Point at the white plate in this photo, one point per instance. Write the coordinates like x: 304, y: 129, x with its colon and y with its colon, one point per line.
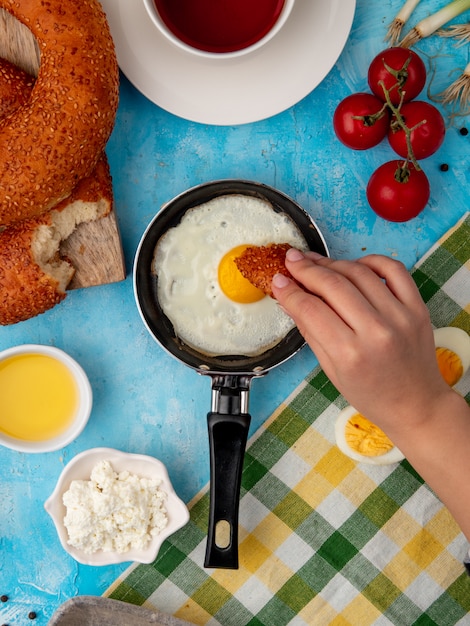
x: 80, y: 468
x: 231, y: 91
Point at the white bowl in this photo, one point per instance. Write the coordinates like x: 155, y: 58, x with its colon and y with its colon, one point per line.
x: 82, y: 412
x: 176, y: 41
x: 80, y: 468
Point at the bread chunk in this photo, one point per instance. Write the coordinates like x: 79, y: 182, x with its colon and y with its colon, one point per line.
x: 259, y: 264
x: 33, y: 276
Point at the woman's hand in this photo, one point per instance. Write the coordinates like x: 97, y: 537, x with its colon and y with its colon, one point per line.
x: 370, y: 330
x: 367, y: 324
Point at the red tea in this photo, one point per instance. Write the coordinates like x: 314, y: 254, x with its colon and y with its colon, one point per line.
x: 219, y: 25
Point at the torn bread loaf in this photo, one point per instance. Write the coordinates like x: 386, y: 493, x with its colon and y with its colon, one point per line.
x: 33, y: 276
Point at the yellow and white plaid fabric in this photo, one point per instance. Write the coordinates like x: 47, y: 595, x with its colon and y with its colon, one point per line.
x: 324, y: 540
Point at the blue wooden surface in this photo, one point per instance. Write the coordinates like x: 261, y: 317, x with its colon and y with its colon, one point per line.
x: 145, y: 401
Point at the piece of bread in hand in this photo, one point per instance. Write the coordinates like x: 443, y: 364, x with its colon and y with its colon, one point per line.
x: 33, y: 276
x: 259, y: 264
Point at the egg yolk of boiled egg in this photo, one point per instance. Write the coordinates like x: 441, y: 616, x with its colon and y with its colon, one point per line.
x: 363, y: 441
x: 365, y: 437
x: 450, y: 365
x: 234, y: 285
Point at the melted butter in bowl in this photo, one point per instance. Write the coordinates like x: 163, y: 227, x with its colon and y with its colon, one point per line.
x: 46, y: 398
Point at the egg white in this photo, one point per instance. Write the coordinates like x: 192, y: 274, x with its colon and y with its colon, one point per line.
x: 392, y: 456
x: 455, y: 339
x: 186, y: 262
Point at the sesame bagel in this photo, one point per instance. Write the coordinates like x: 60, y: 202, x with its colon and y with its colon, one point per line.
x: 33, y: 273
x: 15, y: 87
x: 54, y: 140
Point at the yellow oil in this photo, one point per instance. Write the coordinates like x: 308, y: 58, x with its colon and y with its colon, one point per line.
x: 38, y: 397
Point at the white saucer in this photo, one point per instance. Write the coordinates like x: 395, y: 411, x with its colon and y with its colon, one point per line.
x: 231, y: 91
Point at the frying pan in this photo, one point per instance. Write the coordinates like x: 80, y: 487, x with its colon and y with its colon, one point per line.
x: 228, y: 420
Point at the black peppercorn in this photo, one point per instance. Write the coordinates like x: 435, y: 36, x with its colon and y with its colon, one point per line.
x: 32, y: 615
x: 444, y: 167
x: 4, y: 598
x: 464, y: 131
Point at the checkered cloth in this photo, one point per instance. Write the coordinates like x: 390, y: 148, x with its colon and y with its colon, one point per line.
x: 324, y: 540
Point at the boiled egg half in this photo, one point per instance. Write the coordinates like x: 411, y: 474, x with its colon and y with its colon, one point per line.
x: 452, y: 353
x: 363, y: 441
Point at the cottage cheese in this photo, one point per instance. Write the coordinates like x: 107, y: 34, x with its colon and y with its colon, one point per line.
x: 113, y: 512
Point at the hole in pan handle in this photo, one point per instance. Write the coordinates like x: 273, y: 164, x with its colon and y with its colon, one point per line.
x: 228, y: 424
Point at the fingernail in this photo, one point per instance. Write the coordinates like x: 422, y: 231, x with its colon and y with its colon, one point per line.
x: 280, y: 281
x: 294, y: 255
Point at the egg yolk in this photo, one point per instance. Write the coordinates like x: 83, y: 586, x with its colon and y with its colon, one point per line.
x: 234, y: 285
x: 365, y: 437
x: 450, y: 365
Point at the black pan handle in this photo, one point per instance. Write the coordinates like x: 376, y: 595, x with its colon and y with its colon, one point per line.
x: 228, y: 432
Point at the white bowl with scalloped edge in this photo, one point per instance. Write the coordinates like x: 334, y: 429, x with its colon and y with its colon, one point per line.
x: 80, y: 468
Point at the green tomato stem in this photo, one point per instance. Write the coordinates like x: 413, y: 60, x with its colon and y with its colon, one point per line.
x: 396, y: 110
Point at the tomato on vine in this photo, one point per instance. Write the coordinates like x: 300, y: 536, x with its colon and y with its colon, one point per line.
x: 426, y: 128
x: 397, y: 191
x: 401, y: 71
x: 361, y: 121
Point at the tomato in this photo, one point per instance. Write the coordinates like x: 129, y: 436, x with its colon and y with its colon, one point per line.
x: 360, y: 121
x: 402, y: 72
x: 428, y: 132
x: 397, y: 191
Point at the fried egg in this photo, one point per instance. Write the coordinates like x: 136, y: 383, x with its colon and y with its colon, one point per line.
x: 452, y: 353
x: 363, y: 441
x: 212, y: 307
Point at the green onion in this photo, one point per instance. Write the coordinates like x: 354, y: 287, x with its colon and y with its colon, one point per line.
x: 459, y: 91
x: 433, y: 22
x: 395, y: 28
x: 459, y: 31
